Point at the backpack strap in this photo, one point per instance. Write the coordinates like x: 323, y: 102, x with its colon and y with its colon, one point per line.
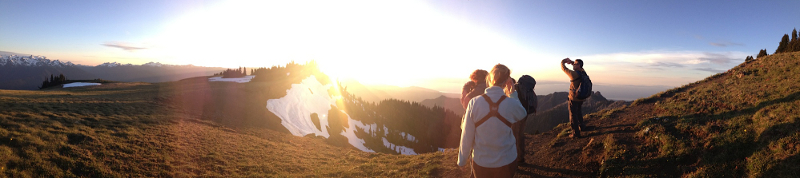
x: 493, y: 108
x: 580, y: 77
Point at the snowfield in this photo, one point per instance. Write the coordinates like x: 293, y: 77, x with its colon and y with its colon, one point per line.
x: 79, y: 84
x: 309, y: 97
x: 244, y: 79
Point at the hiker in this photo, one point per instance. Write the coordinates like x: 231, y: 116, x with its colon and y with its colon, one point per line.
x: 474, y: 87
x: 576, y: 75
x: 487, y: 135
x: 527, y: 97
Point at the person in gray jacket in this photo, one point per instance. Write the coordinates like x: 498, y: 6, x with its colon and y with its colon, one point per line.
x: 487, y: 134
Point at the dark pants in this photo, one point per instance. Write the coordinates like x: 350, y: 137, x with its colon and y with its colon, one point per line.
x: 575, y: 116
x: 519, y: 134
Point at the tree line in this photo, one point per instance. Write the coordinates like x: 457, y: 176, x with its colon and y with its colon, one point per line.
x: 233, y: 73
x: 431, y: 127
x: 786, y: 45
x: 53, y: 81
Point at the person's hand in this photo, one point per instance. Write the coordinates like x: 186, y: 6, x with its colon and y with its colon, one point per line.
x: 566, y: 60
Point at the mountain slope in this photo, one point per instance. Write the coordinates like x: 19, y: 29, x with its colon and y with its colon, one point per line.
x: 161, y: 130
x: 30, y: 78
x: 151, y: 72
x: 739, y: 123
x: 376, y: 93
x: 453, y: 104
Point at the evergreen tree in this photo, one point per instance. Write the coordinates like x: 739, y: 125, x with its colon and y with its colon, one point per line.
x: 783, y: 45
x: 762, y: 53
x: 244, y: 71
x: 794, y: 44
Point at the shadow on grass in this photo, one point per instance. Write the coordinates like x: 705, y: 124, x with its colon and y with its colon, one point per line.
x: 724, y: 155
x: 549, y: 169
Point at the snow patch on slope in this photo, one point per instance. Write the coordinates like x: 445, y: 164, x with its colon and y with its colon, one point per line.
x: 399, y: 149
x: 244, y: 79
x: 80, y: 84
x: 305, y: 98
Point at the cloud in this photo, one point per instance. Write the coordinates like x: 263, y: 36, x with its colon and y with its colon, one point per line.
x: 666, y: 64
x: 725, y: 44
x: 716, y: 58
x: 674, y: 59
x: 123, y: 46
x: 708, y: 69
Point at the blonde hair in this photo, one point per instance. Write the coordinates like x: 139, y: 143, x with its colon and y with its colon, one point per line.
x: 498, y: 76
x: 509, y: 90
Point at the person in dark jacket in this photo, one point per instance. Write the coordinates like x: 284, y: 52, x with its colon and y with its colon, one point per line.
x: 575, y: 115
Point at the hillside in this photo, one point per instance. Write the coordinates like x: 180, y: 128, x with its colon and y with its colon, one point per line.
x: 376, y: 93
x: 739, y: 123
x: 161, y: 130
x: 453, y: 104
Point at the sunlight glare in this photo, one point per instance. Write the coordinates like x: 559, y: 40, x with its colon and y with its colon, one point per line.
x: 375, y: 42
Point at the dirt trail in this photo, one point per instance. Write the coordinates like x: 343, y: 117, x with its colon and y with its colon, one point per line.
x: 548, y: 155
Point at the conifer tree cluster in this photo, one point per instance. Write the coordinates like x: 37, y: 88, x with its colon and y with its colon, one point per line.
x: 233, y: 73
x: 788, y: 44
x: 53, y: 81
x: 431, y: 127
x: 762, y: 53
x: 291, y: 70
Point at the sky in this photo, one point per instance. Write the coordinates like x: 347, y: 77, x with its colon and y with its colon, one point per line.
x: 432, y: 44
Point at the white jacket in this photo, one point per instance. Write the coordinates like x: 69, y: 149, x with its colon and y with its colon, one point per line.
x: 492, y: 144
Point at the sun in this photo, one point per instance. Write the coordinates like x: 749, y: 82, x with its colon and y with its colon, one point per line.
x: 373, y: 42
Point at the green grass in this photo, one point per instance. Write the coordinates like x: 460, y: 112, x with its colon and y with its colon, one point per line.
x: 740, y: 123
x: 144, y: 130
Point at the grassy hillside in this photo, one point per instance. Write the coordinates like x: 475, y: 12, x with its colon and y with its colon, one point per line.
x: 739, y: 123
x: 138, y: 130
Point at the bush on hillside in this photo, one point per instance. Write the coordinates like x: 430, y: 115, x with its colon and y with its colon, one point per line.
x: 762, y: 53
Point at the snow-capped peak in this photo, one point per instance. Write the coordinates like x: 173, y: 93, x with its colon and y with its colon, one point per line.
x: 109, y: 64
x: 153, y: 64
x: 31, y: 61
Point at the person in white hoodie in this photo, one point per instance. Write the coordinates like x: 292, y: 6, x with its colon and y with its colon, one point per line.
x: 487, y: 136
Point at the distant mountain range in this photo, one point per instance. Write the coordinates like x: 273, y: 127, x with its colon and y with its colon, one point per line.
x: 377, y: 93
x: 27, y: 72
x: 553, y: 110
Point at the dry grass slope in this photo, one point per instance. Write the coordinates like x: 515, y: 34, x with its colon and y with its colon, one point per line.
x: 134, y: 130
x: 740, y: 123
